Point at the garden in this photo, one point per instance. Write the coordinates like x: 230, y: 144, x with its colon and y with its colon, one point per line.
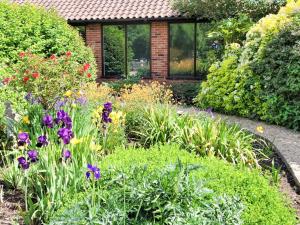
x: 74, y: 151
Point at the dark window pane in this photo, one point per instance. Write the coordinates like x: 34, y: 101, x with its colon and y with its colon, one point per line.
x: 182, y: 46
x: 207, y: 50
x: 81, y: 30
x: 114, y: 51
x: 138, y: 51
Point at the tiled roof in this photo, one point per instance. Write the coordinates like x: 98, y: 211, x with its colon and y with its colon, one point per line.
x: 79, y: 10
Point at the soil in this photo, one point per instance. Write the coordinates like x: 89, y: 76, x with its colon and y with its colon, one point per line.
x: 10, y: 207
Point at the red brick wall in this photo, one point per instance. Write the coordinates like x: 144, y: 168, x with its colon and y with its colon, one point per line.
x: 93, y: 39
x: 159, y: 50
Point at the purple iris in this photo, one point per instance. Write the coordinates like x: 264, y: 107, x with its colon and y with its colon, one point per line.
x: 93, y: 170
x: 23, y: 138
x: 32, y: 155
x: 64, y: 118
x: 66, y: 154
x: 48, y: 121
x: 81, y: 100
x: 59, y: 104
x: 23, y: 163
x: 31, y: 99
x: 106, y: 111
x: 210, y: 112
x: 65, y: 134
x: 42, y: 141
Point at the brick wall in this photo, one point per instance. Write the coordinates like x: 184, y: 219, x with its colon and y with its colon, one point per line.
x: 159, y: 50
x: 93, y: 39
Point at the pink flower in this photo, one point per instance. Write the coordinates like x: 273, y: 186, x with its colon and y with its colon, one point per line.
x: 22, y: 54
x: 89, y: 75
x: 6, y: 81
x: 52, y: 57
x: 68, y: 54
x: 25, y: 79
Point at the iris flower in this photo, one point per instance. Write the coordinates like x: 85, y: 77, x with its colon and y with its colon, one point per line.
x: 32, y: 155
x: 42, y: 141
x: 23, y: 139
x: 48, y: 121
x: 23, y: 163
x: 65, y: 134
x: 107, y: 109
x: 66, y: 154
x: 93, y: 170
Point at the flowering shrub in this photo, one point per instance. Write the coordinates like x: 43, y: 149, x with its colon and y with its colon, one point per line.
x: 48, y: 79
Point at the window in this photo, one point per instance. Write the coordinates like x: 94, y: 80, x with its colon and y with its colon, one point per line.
x: 182, y: 45
x: 191, y: 50
x: 126, y: 51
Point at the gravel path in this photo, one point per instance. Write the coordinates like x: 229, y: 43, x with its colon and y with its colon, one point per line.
x: 285, y: 141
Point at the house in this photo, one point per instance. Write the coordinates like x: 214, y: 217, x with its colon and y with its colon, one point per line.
x: 146, y: 38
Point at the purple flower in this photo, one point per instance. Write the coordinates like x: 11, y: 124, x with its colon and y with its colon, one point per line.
x: 210, y: 112
x: 42, y: 141
x: 48, y: 121
x: 65, y: 134
x: 93, y: 170
x: 66, y: 154
x: 81, y: 101
x: 32, y: 155
x: 106, y: 111
x: 31, y: 99
x: 23, y: 138
x: 23, y: 163
x: 59, y: 104
x: 64, y: 118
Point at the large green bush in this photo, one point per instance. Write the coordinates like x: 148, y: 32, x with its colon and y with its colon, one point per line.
x: 261, y: 79
x: 220, y: 9
x: 27, y: 28
x: 130, y: 194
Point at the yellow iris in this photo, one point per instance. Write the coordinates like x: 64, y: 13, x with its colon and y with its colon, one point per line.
x: 26, y: 120
x: 260, y: 129
x: 75, y: 141
x: 68, y: 93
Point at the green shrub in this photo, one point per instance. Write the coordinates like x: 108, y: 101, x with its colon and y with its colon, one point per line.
x: 27, y: 28
x: 216, y: 9
x: 261, y: 79
x: 263, y: 203
x: 140, y: 196
x: 185, y: 92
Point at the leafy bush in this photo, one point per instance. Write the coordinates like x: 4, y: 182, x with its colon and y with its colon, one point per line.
x: 185, y: 92
x: 263, y: 203
x: 202, y: 135
x: 165, y: 196
x: 29, y: 28
x: 261, y: 79
x: 216, y: 9
x: 47, y: 79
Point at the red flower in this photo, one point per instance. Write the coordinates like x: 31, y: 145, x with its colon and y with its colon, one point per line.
x: 86, y: 67
x: 68, y: 54
x: 6, y: 81
x: 25, y: 79
x: 52, y: 57
x: 35, y: 75
x: 22, y: 54
x: 89, y: 75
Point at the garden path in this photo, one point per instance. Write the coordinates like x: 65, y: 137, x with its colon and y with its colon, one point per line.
x: 285, y: 141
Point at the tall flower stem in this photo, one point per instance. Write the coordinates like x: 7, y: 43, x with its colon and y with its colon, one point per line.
x: 26, y: 191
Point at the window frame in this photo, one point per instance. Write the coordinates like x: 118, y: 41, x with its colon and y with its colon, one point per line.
x: 126, y: 48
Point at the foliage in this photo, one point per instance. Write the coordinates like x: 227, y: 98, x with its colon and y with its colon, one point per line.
x: 216, y: 9
x: 47, y: 79
x: 27, y: 28
x: 249, y: 81
x: 202, y: 135
x: 263, y: 203
x: 185, y: 92
x: 165, y: 196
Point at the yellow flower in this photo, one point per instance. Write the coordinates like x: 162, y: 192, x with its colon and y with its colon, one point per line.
x: 74, y: 105
x: 260, y: 129
x: 75, y: 141
x: 95, y: 147
x: 117, y: 117
x: 68, y: 93
x: 26, y: 120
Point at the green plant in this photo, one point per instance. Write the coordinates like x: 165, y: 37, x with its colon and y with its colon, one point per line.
x: 28, y: 28
x: 164, y: 196
x: 48, y: 79
x: 264, y: 204
x: 217, y: 9
x: 185, y: 92
x: 249, y: 81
